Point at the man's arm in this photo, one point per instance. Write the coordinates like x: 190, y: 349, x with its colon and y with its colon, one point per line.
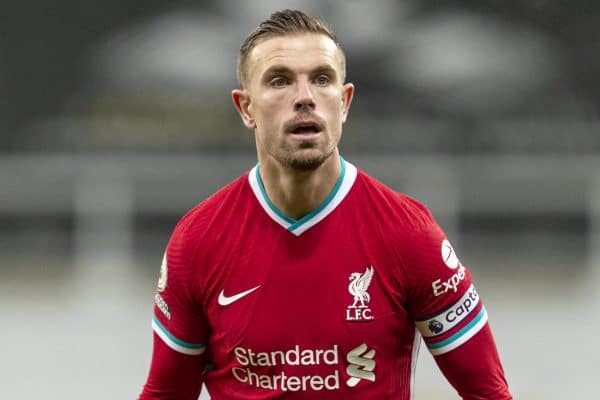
x: 178, y: 323
x: 450, y: 314
x: 460, y: 339
x: 173, y: 375
x: 474, y: 368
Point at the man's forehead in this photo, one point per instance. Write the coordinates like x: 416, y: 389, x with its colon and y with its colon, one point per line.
x: 275, y: 49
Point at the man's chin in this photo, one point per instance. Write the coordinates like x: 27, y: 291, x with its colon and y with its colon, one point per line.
x: 307, y: 162
x: 305, y: 165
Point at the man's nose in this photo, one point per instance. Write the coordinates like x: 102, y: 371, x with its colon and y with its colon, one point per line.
x: 304, y: 95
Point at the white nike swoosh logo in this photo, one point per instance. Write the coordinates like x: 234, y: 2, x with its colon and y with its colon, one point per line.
x: 227, y: 300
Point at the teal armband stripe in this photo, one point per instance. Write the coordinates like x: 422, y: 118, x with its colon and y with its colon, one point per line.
x: 175, y: 343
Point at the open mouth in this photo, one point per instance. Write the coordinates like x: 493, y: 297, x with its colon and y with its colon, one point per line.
x: 306, y: 128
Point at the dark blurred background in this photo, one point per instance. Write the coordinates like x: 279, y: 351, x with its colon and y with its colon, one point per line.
x: 493, y: 76
x: 115, y: 118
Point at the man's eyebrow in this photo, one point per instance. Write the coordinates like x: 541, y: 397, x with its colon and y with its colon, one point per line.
x: 277, y: 69
x: 283, y: 70
x: 325, y: 68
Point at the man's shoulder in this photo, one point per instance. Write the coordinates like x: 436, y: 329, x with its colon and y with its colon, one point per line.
x: 399, y: 207
x: 223, y: 203
x: 381, y: 191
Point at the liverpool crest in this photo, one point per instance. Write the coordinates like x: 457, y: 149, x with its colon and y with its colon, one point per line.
x: 359, y: 284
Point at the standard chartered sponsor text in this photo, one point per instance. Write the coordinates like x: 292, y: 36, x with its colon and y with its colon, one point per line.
x: 285, y: 381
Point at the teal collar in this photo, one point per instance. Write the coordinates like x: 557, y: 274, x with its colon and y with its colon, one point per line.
x: 297, y: 227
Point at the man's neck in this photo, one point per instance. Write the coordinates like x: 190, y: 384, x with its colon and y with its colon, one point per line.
x: 297, y: 193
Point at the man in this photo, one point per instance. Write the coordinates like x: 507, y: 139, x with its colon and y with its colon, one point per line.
x: 305, y: 278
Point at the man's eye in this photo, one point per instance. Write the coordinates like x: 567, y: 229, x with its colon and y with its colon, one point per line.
x: 279, y: 82
x: 322, y: 80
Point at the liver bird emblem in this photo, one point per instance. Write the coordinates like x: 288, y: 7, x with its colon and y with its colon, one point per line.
x: 358, y: 287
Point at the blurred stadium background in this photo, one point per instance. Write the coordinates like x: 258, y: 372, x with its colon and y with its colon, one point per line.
x: 116, y: 119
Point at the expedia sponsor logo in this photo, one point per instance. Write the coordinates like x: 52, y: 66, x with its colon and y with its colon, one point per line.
x: 452, y: 316
x: 441, y: 287
x: 451, y: 260
x: 449, y: 255
x: 250, y: 364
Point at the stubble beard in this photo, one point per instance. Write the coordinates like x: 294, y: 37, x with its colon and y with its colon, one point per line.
x: 305, y: 164
x: 309, y: 162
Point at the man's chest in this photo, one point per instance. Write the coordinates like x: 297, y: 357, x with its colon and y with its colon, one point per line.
x: 314, y: 305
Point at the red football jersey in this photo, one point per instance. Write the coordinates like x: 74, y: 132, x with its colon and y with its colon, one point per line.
x: 332, y: 305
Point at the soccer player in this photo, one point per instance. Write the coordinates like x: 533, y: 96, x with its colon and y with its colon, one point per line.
x: 305, y: 278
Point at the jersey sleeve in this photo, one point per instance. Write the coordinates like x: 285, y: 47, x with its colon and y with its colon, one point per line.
x: 178, y: 318
x: 442, y: 298
x: 179, y: 325
x: 450, y: 315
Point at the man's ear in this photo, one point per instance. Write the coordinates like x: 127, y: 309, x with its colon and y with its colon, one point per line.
x: 241, y: 101
x: 347, y: 95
